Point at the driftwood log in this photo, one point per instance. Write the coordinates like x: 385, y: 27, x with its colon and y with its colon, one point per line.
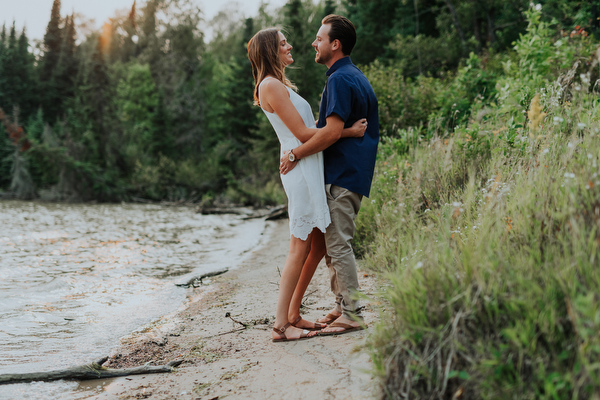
x: 193, y: 281
x: 270, y: 214
x: 95, y: 370
x: 274, y: 213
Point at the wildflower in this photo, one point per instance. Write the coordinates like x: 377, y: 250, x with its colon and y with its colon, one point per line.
x: 578, y: 88
x: 569, y: 175
x: 419, y: 265
x: 538, y: 7
x: 546, y: 151
x: 585, y: 78
x: 570, y: 145
x: 535, y: 114
x: 581, y: 125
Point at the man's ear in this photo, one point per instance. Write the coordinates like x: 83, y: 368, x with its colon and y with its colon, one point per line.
x: 336, y: 45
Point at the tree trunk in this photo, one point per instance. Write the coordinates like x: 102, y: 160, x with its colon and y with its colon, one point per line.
x: 457, y: 26
x: 95, y: 370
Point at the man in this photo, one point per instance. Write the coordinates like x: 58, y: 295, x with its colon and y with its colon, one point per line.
x: 349, y: 162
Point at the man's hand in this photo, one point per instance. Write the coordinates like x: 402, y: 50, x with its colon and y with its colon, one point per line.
x: 357, y: 129
x: 285, y: 165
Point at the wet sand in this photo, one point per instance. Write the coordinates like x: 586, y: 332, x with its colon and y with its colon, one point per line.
x: 222, y: 359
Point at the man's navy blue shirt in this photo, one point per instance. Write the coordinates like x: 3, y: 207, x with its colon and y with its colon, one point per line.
x: 350, y: 162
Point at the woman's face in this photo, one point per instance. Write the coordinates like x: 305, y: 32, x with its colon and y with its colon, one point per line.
x: 285, y: 50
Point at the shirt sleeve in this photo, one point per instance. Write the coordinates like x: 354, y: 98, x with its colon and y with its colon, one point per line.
x: 339, y: 98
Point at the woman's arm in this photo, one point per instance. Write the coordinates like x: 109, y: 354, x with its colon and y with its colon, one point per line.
x: 277, y: 98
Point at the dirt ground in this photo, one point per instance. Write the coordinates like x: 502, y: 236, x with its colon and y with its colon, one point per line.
x: 225, y: 360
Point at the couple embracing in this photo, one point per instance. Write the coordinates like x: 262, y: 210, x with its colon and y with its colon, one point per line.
x: 326, y: 168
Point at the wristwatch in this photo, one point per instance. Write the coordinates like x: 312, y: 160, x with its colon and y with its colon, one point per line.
x: 292, y: 156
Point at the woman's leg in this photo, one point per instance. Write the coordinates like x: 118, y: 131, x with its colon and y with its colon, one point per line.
x: 299, y: 250
x: 317, y: 252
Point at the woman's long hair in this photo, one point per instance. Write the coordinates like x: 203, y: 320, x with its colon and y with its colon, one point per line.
x: 263, y: 53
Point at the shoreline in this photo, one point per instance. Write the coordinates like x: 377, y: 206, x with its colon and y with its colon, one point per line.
x: 223, y: 359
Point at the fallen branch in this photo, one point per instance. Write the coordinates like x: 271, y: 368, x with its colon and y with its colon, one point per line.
x: 271, y: 214
x: 228, y: 315
x: 192, y: 282
x: 95, y: 370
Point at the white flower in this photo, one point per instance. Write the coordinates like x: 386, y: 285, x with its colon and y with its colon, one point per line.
x: 584, y: 78
x: 419, y: 265
x: 590, y: 156
x: 581, y: 125
x: 558, y: 43
x: 569, y: 175
x: 538, y: 7
x: 570, y: 145
x: 578, y: 88
x: 545, y: 151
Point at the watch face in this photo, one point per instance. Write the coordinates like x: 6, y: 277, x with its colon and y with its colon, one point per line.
x: 292, y: 157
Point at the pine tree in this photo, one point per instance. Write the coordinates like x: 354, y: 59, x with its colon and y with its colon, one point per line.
x: 130, y: 41
x: 63, y: 77
x: 51, y: 55
x: 52, y: 43
x: 27, y: 84
x: 11, y: 95
x: 148, y: 42
x: 330, y: 7
x: 302, y: 21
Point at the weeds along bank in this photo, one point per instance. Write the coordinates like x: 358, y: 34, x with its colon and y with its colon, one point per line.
x: 486, y: 238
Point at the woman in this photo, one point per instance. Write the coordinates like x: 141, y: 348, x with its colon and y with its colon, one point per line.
x: 293, y: 121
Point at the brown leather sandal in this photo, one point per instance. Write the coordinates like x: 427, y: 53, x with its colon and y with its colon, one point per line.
x: 347, y: 329
x: 317, y: 326
x: 283, y: 338
x: 329, y: 318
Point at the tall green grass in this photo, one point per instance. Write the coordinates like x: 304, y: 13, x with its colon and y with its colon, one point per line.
x: 487, y: 238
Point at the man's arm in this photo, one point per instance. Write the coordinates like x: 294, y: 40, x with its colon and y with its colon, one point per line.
x: 321, y: 140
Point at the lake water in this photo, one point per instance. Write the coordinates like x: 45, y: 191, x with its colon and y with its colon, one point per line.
x: 76, y: 278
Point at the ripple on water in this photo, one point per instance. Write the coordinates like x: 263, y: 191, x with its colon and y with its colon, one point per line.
x: 76, y: 278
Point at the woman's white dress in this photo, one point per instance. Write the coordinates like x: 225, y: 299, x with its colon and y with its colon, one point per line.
x: 305, y: 184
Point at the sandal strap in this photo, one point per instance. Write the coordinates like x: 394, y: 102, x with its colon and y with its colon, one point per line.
x: 281, y: 330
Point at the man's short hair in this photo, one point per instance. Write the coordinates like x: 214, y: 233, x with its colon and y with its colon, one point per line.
x: 343, y: 30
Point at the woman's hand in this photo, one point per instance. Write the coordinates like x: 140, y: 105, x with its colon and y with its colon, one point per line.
x: 357, y: 129
x: 285, y: 165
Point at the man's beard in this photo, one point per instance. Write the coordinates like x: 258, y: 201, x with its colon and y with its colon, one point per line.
x: 322, y: 58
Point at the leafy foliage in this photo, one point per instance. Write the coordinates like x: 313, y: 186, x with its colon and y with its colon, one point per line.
x: 487, y: 234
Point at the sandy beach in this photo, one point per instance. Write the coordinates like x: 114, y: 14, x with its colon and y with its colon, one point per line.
x: 224, y: 359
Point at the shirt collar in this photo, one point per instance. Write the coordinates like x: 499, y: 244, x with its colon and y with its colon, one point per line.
x: 338, y: 64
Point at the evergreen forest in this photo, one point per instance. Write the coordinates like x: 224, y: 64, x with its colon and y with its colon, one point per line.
x: 483, y: 224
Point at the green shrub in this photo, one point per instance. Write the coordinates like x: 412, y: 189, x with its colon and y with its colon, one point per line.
x: 486, y: 239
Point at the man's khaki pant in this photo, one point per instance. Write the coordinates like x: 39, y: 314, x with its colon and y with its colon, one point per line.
x: 343, y: 207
